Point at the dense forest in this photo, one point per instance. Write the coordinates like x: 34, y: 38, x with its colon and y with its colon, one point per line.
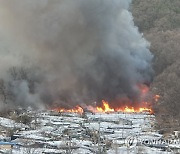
x: 159, y: 21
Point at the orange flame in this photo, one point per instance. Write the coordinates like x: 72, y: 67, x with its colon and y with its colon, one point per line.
x: 76, y: 109
x: 156, y: 98
x: 141, y: 109
x: 106, y: 108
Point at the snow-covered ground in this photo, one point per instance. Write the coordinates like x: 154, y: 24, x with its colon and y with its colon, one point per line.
x: 113, y: 133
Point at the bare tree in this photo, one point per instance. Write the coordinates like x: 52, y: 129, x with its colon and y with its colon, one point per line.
x: 13, y: 73
x: 3, y: 91
x: 159, y: 21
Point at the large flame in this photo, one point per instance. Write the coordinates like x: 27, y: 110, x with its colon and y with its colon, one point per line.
x: 106, y: 108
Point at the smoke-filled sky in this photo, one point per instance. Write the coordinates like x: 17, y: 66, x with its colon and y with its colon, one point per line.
x: 76, y: 51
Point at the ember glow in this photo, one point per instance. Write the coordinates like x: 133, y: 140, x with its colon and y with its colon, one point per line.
x: 76, y: 109
x: 156, y: 98
x: 106, y: 108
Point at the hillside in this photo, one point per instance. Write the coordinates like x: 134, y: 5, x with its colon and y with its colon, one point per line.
x: 50, y: 132
x: 78, y: 77
x: 159, y: 21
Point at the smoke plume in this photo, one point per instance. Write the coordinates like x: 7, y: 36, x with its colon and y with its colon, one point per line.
x: 71, y: 52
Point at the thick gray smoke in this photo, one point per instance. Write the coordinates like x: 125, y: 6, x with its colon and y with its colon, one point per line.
x: 73, y: 51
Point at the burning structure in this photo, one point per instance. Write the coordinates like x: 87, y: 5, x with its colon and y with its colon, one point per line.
x: 75, y: 52
x: 127, y: 107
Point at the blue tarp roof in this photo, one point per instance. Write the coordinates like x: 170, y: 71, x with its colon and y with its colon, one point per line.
x: 7, y: 143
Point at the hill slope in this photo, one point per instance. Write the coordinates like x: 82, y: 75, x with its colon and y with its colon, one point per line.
x: 159, y: 20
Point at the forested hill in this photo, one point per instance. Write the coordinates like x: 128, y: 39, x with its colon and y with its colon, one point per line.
x: 159, y: 21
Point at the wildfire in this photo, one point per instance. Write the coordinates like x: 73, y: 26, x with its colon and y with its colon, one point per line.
x: 77, y: 109
x: 106, y: 108
x: 141, y: 109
